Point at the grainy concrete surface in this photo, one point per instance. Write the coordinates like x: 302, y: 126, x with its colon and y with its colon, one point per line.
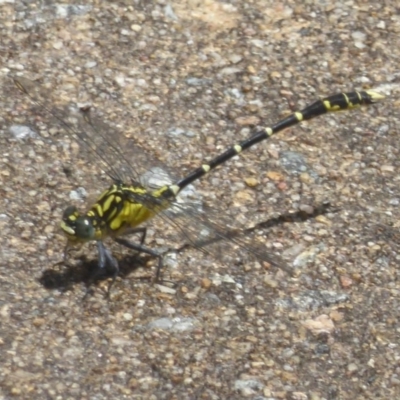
x: 183, y: 80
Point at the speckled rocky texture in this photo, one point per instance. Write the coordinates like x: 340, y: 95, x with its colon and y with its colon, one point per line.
x: 184, y: 79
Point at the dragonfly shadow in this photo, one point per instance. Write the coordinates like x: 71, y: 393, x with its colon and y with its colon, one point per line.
x: 289, y: 217
x: 65, y: 276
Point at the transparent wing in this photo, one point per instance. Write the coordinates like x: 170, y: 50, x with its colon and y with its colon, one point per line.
x: 218, y: 234
x: 126, y: 161
x: 102, y: 144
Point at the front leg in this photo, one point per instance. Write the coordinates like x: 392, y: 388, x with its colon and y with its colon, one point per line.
x: 143, y: 249
x: 105, y: 258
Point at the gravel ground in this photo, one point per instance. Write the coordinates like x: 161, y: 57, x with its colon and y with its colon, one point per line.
x: 184, y: 80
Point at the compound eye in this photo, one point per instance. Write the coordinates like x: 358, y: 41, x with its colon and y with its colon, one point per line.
x: 77, y: 227
x: 84, y: 228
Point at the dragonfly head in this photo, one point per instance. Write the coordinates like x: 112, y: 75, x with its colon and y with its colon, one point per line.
x: 77, y: 227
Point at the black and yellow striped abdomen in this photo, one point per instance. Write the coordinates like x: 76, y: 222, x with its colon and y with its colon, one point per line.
x: 336, y: 102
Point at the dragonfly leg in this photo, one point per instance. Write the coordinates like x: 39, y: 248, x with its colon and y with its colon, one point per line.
x: 105, y: 258
x: 142, y: 231
x: 143, y: 249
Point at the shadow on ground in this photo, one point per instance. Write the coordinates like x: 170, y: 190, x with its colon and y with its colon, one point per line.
x: 64, y: 276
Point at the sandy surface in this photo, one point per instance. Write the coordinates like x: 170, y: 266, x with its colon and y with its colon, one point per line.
x: 183, y: 80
